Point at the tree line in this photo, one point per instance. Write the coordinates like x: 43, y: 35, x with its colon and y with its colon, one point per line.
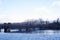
x: 42, y: 25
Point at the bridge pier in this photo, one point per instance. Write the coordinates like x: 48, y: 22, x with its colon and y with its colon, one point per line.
x: 6, y: 30
x: 6, y: 27
x: 28, y: 29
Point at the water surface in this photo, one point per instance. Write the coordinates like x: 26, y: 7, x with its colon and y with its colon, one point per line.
x: 47, y: 35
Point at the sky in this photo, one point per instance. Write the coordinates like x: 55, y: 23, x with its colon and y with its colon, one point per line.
x: 20, y: 10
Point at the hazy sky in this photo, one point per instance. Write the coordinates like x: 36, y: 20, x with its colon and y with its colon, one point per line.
x: 20, y: 10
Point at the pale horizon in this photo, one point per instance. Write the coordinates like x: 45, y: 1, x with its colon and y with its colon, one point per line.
x: 21, y: 10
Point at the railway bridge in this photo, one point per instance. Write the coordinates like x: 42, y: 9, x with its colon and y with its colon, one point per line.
x: 7, y: 28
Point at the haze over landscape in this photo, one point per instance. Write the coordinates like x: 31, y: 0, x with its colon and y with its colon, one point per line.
x: 20, y: 10
x: 29, y: 19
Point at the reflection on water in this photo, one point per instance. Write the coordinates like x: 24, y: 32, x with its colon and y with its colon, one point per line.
x: 40, y: 31
x: 12, y: 30
x: 40, y: 35
x: 47, y: 31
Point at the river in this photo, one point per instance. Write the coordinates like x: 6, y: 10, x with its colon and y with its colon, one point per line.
x: 39, y: 35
